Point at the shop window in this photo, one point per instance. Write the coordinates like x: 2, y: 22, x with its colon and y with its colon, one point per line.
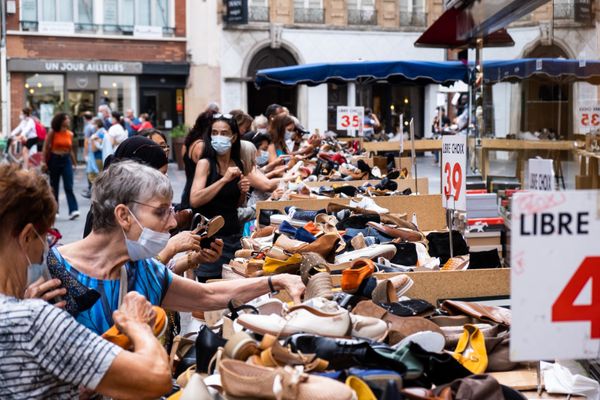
x: 309, y: 11
x: 140, y: 12
x: 412, y: 13
x: 118, y: 91
x: 258, y: 10
x: 362, y: 12
x: 44, y: 94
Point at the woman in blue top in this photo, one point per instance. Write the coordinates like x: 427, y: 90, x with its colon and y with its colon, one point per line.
x: 132, y: 211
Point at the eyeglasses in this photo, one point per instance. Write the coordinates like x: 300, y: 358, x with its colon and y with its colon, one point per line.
x: 162, y: 212
x: 165, y: 147
x: 223, y: 116
x: 53, y: 236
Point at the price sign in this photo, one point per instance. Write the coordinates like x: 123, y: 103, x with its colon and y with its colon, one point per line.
x: 555, y: 275
x: 350, y: 118
x: 541, y: 175
x: 454, y: 168
x: 588, y: 117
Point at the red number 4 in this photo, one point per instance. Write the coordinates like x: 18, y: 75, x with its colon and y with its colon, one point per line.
x: 564, y: 308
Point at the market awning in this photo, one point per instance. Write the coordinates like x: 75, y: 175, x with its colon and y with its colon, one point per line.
x: 419, y: 72
x: 444, y: 33
x: 560, y: 69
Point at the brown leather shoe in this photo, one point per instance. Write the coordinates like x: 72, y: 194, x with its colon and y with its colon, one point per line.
x: 263, y: 232
x: 395, y: 232
x: 325, y: 246
x: 184, y: 219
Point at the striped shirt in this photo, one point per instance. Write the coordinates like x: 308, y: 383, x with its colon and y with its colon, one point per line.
x: 46, y: 354
x: 149, y: 278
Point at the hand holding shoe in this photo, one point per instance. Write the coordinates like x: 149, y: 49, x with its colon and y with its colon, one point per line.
x: 134, y: 314
x: 46, y: 290
x: 292, y: 284
x: 183, y: 241
x: 207, y: 256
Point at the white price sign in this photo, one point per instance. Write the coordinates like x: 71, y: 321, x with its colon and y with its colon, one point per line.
x: 350, y: 118
x: 555, y: 275
x: 454, y: 166
x: 588, y: 117
x: 541, y: 175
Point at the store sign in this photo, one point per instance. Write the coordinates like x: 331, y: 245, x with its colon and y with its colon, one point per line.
x: 236, y: 12
x: 147, y: 31
x: 56, y: 28
x: 583, y: 11
x: 454, y: 167
x: 350, y: 118
x: 541, y: 175
x: 588, y: 117
x: 555, y: 275
x: 105, y: 67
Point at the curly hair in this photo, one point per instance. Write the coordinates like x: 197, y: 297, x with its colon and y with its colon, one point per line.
x: 25, y: 197
x: 57, y: 121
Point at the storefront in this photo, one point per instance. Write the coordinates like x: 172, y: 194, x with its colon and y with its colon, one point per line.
x: 77, y: 86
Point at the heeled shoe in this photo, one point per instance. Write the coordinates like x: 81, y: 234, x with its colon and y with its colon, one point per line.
x: 470, y: 350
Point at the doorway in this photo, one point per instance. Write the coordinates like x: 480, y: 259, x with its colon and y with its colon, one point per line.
x: 80, y: 101
x: 160, y: 105
x: 258, y: 100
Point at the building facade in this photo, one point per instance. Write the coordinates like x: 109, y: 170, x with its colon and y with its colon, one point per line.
x: 74, y: 55
x: 278, y: 33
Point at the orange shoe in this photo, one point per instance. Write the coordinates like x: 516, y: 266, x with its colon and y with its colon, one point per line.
x: 160, y: 326
x: 352, y: 277
x: 312, y: 228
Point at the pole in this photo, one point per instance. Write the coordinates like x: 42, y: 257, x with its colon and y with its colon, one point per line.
x: 450, y: 222
x: 3, y: 73
x: 413, y: 153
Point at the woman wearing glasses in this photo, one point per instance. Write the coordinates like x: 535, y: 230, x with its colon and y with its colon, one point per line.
x: 219, y: 188
x: 44, y: 353
x: 157, y: 137
x: 132, y: 210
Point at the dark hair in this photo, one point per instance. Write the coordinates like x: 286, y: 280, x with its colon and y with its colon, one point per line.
x: 88, y: 115
x: 271, y: 110
x: 117, y: 115
x: 149, y: 132
x: 99, y: 123
x: 145, y: 116
x: 57, y: 121
x: 258, y: 138
x: 27, y: 111
x: 25, y: 197
x: 139, y: 149
x: 210, y: 153
x: 241, y: 117
x: 200, y: 128
x: 277, y: 130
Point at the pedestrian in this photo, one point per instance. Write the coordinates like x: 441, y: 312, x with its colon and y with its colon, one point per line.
x: 115, y: 136
x: 157, y: 137
x: 59, y: 155
x: 219, y: 188
x: 144, y: 122
x: 26, y: 133
x: 89, y: 129
x: 132, y: 123
x: 104, y: 113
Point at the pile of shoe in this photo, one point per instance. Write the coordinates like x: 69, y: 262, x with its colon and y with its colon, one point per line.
x: 366, y: 341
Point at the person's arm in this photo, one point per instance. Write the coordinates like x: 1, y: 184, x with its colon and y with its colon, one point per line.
x: 260, y: 182
x: 200, y: 194
x: 73, y: 154
x: 272, y: 153
x: 48, y: 146
x: 187, y: 262
x: 187, y: 295
x: 18, y: 130
x: 196, y: 150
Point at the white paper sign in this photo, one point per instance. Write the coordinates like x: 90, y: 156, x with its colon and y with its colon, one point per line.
x: 541, y: 175
x: 555, y: 275
x: 454, y: 168
x: 587, y: 117
x: 350, y: 118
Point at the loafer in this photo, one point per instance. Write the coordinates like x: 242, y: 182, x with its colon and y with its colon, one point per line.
x: 353, y: 276
x: 379, y: 250
x: 343, y: 353
x: 470, y: 350
x: 389, y: 290
x: 302, y: 215
x: 244, y: 380
x: 275, y: 266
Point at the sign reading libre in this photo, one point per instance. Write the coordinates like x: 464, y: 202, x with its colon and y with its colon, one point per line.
x: 555, y: 275
x: 541, y: 175
x: 350, y: 118
x: 454, y: 166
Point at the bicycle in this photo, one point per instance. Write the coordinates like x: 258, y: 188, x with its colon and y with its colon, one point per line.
x: 11, y: 152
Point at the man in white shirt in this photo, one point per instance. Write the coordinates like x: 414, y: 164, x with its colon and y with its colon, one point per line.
x: 26, y: 133
x: 115, y: 136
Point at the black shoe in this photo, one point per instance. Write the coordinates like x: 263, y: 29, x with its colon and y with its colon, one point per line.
x: 409, y: 308
x: 440, y: 368
x: 347, y: 190
x: 394, y: 174
x: 207, y: 344
x: 358, y: 221
x: 343, y: 353
x: 264, y: 218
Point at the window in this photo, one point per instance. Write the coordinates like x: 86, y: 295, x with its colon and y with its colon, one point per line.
x: 258, y: 10
x: 44, y: 94
x: 412, y: 13
x: 309, y: 11
x: 118, y: 91
x: 362, y: 12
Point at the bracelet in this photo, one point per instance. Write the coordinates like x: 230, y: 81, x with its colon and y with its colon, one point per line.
x: 160, y: 260
x: 271, y: 287
x: 189, y: 260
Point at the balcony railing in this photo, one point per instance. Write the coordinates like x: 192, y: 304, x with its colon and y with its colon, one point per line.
x: 112, y: 29
x: 362, y: 17
x: 309, y: 15
x: 413, y: 18
x: 258, y: 13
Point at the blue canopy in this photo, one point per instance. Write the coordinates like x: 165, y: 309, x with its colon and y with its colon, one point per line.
x: 559, y: 69
x: 420, y: 72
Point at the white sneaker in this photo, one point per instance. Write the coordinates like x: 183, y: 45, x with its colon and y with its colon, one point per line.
x: 376, y: 172
x: 372, y: 252
x: 75, y: 214
x: 369, y: 204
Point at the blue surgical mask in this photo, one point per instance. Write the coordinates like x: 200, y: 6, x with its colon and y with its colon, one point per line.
x: 262, y: 158
x: 148, y: 245
x: 261, y: 130
x: 100, y: 115
x: 288, y: 135
x: 37, y: 270
x: 221, y: 144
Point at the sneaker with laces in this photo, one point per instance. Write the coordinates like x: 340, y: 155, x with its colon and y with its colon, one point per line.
x: 74, y: 215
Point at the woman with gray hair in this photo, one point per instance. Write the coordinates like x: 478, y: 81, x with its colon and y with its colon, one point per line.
x: 132, y: 218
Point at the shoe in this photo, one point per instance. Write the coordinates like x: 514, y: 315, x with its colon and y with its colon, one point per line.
x: 409, y: 308
x: 342, y: 353
x: 430, y: 341
x: 470, y: 350
x: 184, y: 219
x: 264, y: 216
x: 368, y: 203
x: 302, y: 215
x: 440, y: 368
x: 379, y: 250
x: 389, y: 290
x: 273, y: 354
x: 352, y: 277
x: 398, y: 233
x: 362, y: 390
x: 240, y: 379
x: 368, y: 328
x: 275, y: 266
x: 87, y: 194
x: 113, y: 334
x: 207, y: 344
x: 241, y: 347
x: 402, y: 354
x: 74, y: 215
x: 319, y: 285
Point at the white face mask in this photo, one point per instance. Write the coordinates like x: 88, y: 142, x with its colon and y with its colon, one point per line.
x: 37, y: 270
x: 261, y: 130
x: 288, y: 135
x: 148, y: 245
x: 262, y: 158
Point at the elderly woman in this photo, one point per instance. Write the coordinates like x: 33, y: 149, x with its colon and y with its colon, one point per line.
x: 132, y: 217
x: 44, y: 353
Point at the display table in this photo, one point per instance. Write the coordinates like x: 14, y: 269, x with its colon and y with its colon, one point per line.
x: 420, y: 145
x: 524, y: 149
x: 588, y: 177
